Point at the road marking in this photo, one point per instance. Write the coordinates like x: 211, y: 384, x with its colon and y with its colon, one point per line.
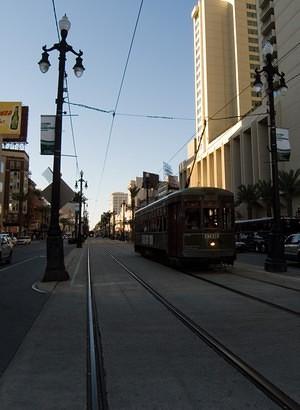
x: 20, y: 263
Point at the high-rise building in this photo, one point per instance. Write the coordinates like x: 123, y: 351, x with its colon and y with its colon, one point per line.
x: 226, y: 53
x: 117, y: 198
x: 236, y: 151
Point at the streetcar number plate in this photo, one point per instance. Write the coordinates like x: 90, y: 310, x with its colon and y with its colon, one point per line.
x: 211, y: 235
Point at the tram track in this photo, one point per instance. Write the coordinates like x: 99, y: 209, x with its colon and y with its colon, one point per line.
x: 242, y: 293
x: 97, y: 395
x: 256, y: 378
x: 279, y: 285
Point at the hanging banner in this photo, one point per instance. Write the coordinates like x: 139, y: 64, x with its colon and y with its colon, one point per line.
x: 283, y: 144
x: 10, y: 119
x: 47, y: 134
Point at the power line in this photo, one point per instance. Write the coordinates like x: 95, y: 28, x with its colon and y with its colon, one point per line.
x: 118, y: 96
x: 120, y: 89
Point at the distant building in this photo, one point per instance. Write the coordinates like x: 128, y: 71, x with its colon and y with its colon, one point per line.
x: 116, y: 200
x: 15, y: 190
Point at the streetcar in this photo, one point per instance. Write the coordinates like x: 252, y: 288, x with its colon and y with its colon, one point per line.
x: 193, y: 225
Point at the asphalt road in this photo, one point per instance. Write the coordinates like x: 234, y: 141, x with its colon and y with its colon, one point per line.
x: 19, y: 303
x: 258, y: 259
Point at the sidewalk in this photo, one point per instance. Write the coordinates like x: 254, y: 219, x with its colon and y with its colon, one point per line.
x: 49, y: 368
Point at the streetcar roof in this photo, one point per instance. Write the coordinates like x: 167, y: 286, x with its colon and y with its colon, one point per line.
x: 185, y: 193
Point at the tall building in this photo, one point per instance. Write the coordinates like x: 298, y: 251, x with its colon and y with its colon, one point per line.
x: 225, y: 55
x: 116, y: 201
x: 235, y: 151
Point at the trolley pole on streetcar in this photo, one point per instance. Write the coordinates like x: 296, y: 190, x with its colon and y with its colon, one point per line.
x: 275, y: 261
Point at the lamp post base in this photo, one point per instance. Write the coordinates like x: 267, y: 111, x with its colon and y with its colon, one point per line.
x: 55, y: 269
x: 275, y: 265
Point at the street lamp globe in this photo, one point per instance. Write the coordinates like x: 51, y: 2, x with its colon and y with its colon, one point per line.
x: 78, y: 67
x: 267, y: 49
x: 64, y: 23
x: 44, y: 63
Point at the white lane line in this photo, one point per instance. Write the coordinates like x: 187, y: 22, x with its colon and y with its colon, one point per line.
x: 20, y: 263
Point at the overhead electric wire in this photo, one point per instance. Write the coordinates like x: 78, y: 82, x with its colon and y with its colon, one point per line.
x: 118, y: 98
x: 120, y: 90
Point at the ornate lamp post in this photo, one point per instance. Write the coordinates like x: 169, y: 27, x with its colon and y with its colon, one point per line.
x: 123, y: 220
x: 55, y: 269
x: 81, y: 181
x: 275, y: 261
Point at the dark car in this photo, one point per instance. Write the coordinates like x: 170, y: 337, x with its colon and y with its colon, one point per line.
x: 240, y: 246
x: 255, y: 242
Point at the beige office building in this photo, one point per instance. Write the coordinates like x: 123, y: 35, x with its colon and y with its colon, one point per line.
x: 228, y: 38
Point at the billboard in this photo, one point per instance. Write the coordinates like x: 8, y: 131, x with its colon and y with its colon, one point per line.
x: 150, y: 180
x: 47, y: 134
x: 10, y: 119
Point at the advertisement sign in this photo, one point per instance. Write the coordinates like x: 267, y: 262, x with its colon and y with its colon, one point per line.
x: 47, y: 134
x: 10, y: 118
x: 150, y: 180
x: 283, y: 144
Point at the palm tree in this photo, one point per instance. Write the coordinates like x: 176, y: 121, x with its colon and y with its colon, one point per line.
x: 289, y: 185
x: 248, y: 194
x: 134, y: 190
x: 265, y: 191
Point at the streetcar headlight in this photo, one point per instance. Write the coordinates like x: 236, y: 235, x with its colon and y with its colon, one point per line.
x: 212, y: 244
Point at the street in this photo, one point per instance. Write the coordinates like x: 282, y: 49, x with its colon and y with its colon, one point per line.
x: 20, y: 304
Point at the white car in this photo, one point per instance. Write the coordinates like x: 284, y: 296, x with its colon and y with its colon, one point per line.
x: 292, y: 247
x: 5, y: 249
x: 24, y: 240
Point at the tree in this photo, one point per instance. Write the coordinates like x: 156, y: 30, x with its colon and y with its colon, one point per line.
x: 265, y: 192
x: 134, y: 190
x: 248, y: 194
x: 289, y: 186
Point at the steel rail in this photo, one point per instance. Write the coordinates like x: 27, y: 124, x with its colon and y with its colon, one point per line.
x: 240, y: 292
x: 265, y: 281
x: 262, y: 383
x: 97, y: 398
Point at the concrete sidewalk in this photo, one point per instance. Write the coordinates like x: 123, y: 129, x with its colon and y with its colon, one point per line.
x: 49, y: 369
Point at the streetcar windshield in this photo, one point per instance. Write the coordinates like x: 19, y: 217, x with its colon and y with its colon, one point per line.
x: 210, y: 217
x: 193, y: 219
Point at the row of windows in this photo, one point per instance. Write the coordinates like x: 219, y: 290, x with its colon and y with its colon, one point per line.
x: 251, y: 6
x: 251, y: 14
x: 253, y: 40
x: 252, y: 23
x: 253, y: 58
x: 253, y: 48
x: 252, y: 31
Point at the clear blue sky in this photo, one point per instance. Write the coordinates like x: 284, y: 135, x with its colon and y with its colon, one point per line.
x: 159, y: 81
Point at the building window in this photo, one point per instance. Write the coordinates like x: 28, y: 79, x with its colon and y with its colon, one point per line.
x: 251, y: 6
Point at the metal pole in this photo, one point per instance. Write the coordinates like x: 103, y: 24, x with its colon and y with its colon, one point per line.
x: 79, y: 240
x: 275, y: 261
x: 55, y: 268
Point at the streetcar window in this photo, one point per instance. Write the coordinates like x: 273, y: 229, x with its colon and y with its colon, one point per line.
x: 192, y: 219
x: 210, y: 217
x: 227, y: 218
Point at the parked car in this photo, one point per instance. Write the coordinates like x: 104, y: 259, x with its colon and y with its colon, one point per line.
x: 9, y: 238
x: 5, y: 249
x: 24, y: 240
x: 292, y: 247
x: 255, y: 242
x: 240, y: 246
